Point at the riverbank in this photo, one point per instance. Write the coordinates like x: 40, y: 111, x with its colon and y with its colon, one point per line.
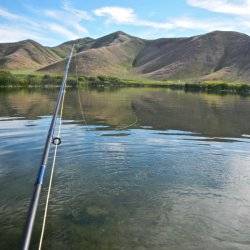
x: 23, y: 80
x: 192, y: 86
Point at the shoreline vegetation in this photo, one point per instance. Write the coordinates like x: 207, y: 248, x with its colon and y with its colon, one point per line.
x: 37, y: 80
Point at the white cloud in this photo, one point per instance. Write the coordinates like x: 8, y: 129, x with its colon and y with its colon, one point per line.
x: 70, y: 18
x: 117, y: 14
x: 17, y: 27
x: 62, y: 30
x: 197, y: 24
x: 79, y: 14
x: 127, y: 16
x: 48, y: 25
x: 240, y: 7
x: 120, y: 15
x: 236, y: 13
x: 13, y: 33
x: 16, y: 34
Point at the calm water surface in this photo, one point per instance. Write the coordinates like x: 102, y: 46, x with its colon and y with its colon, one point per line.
x: 143, y: 169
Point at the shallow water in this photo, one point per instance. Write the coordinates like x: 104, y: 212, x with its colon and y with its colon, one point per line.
x: 143, y: 169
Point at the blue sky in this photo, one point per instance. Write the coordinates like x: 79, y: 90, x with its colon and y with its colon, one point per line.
x: 51, y: 22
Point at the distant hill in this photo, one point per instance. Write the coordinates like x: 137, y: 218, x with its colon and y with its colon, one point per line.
x: 212, y: 56
x: 25, y: 54
x: 63, y: 49
x: 216, y: 55
x: 113, y: 54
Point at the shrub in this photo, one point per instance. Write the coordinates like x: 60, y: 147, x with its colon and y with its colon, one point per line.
x: 6, y: 78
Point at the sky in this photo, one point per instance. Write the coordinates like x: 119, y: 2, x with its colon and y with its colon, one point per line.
x: 52, y: 22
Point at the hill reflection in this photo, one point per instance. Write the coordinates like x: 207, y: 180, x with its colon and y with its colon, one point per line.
x: 208, y: 114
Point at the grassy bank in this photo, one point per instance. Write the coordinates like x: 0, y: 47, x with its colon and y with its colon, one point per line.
x: 192, y: 86
x: 24, y: 80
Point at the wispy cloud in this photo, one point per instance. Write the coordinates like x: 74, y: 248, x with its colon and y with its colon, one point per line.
x: 61, y: 30
x: 8, y: 15
x: 51, y: 26
x: 128, y: 16
x: 120, y: 15
x: 241, y: 8
x: 13, y: 33
x: 234, y: 14
x: 65, y: 22
x: 16, y: 27
x: 13, y: 17
x: 79, y: 14
x: 70, y: 20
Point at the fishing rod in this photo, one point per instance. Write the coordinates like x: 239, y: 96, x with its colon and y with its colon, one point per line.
x: 27, y: 233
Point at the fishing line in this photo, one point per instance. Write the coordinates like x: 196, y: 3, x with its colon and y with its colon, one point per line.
x: 78, y: 92
x: 51, y: 176
x: 130, y: 125
x: 56, y: 141
x: 51, y: 139
x: 81, y: 106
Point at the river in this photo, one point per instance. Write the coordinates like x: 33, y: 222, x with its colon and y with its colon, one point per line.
x: 138, y: 168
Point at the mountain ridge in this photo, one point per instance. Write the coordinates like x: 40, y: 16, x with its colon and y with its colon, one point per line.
x: 217, y: 55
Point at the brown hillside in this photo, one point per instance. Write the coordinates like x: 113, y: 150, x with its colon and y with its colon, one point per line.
x: 215, y: 55
x: 111, y: 55
x: 211, y: 56
x: 25, y: 54
x: 81, y: 44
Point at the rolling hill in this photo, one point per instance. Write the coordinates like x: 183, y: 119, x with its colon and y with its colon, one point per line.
x: 216, y: 55
x: 213, y: 56
x: 113, y: 54
x: 25, y: 55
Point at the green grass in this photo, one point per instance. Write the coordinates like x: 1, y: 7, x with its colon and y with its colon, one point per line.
x: 25, y: 79
x: 22, y: 79
x: 204, y: 86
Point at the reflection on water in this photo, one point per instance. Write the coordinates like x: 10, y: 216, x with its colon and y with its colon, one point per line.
x: 152, y: 169
x: 208, y: 114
